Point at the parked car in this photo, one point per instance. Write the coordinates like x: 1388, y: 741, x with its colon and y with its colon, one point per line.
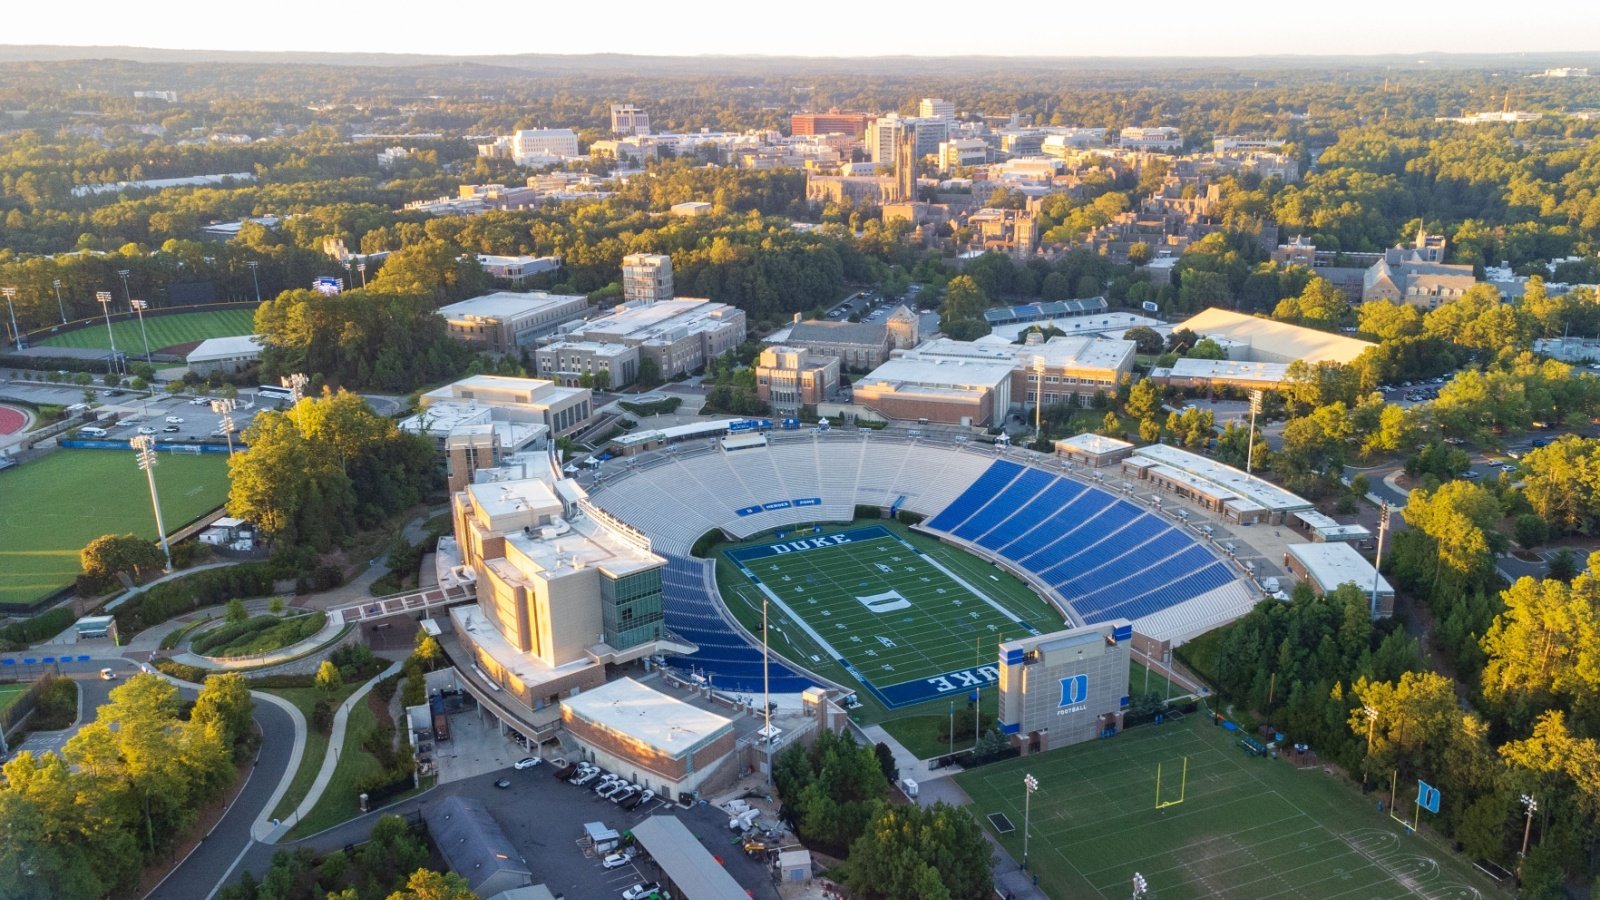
x: 146, y: 429
x: 174, y: 420
x: 618, y: 860
x: 503, y: 783
x: 107, y: 675
x: 527, y: 763
x: 206, y: 401
x: 641, y: 890
x: 587, y: 777
x: 635, y: 799
x: 172, y: 429
x: 625, y: 793
x: 614, y: 787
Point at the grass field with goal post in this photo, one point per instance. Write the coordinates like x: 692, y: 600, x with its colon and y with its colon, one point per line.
x: 1248, y: 826
x: 163, y: 331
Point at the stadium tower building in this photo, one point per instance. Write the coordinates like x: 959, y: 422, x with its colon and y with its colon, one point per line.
x: 1065, y: 687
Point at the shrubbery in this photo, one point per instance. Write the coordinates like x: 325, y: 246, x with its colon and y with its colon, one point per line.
x: 260, y: 634
x: 15, y: 637
x: 181, y: 595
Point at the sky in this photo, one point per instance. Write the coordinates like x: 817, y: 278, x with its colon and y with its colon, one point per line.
x: 928, y: 28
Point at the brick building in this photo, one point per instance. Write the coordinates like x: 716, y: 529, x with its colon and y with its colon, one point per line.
x: 649, y: 737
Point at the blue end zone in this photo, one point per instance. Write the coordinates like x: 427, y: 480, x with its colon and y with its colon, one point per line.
x: 780, y: 548
x: 920, y: 690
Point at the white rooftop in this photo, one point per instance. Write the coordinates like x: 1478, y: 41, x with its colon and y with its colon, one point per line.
x: 647, y: 321
x: 1110, y: 324
x: 507, y: 305
x: 584, y: 544
x: 505, y: 497
x: 1231, y: 369
x: 1257, y: 490
x: 595, y: 347
x: 948, y: 372
x: 1087, y: 352
x: 1335, y: 563
x: 675, y: 432
x: 225, y: 348
x: 1093, y: 444
x: 658, y: 720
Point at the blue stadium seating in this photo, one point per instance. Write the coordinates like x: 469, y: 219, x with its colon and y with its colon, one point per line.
x: 1004, y: 503
x: 996, y: 477
x: 1107, y: 556
x: 725, y: 655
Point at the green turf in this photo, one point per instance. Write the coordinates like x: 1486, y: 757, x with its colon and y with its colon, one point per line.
x: 163, y: 331
x: 945, y: 628
x: 316, y: 743
x: 1249, y: 827
x: 51, y: 507
x: 9, y: 694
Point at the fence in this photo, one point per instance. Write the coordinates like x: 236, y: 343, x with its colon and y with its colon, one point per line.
x: 123, y: 444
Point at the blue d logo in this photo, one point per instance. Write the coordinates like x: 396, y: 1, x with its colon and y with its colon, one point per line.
x: 1074, y: 690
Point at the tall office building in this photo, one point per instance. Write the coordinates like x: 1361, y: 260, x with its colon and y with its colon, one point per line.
x: 627, y: 119
x: 646, y: 277
x: 931, y: 108
x: 883, y: 136
x: 831, y: 122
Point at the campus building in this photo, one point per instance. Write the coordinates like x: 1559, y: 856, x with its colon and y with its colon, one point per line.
x: 1254, y: 339
x: 224, y: 355
x: 1213, y: 486
x: 1327, y: 564
x: 651, y: 738
x: 679, y: 335
x: 1065, y: 687
x: 606, y: 366
x: 792, y: 378
x: 646, y: 277
x: 505, y: 322
x: 831, y: 122
x: 562, y: 410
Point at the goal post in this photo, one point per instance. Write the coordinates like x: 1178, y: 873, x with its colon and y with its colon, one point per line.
x: 1183, y: 786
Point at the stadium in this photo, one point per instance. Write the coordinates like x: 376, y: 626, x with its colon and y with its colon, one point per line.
x: 866, y: 600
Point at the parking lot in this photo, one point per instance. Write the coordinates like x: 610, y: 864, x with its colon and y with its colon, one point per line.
x: 153, y: 416
x: 544, y: 819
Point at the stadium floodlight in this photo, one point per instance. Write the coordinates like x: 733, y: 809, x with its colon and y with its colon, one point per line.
x: 126, y: 295
x: 61, y: 307
x: 224, y: 408
x: 1383, y: 528
x: 145, y: 446
x: 362, y: 268
x: 1250, y: 440
x: 138, y: 307
x: 252, y: 265
x: 296, y: 384
x: 10, y: 293
x: 1029, y: 785
x: 1529, y: 807
x: 1140, y: 886
x: 104, y: 297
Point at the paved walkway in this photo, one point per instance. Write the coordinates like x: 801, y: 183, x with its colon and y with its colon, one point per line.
x: 270, y: 832
x: 330, y: 630
x: 134, y: 592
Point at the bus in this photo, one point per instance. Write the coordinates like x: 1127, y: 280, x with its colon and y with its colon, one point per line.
x: 273, y: 393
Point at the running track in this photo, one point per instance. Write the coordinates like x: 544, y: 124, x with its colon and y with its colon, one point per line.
x: 12, y: 420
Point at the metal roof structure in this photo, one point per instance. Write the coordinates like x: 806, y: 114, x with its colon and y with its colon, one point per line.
x: 685, y: 862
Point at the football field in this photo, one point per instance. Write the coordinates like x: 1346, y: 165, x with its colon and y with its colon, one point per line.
x: 51, y: 507
x: 907, y: 626
x: 1247, y: 826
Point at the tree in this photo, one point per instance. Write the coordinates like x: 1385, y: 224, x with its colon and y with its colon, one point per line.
x: 1144, y: 399
x: 428, y: 652
x: 328, y: 678
x: 1146, y: 340
x: 111, y: 554
x: 1207, y: 349
x: 961, y: 315
x: 1111, y: 426
x: 1530, y: 530
x: 916, y: 853
x: 649, y: 373
x: 891, y: 772
x: 225, y: 702
x: 426, y: 884
x: 1544, y: 650
x: 236, y: 613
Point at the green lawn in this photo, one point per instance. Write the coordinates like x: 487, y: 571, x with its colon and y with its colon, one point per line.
x: 51, y: 507
x: 316, y: 747
x: 1248, y: 827
x: 9, y: 694
x: 163, y: 331
x: 341, y: 801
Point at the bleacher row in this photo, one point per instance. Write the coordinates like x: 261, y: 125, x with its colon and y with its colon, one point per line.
x: 725, y: 655
x: 1107, y: 557
x: 677, y: 501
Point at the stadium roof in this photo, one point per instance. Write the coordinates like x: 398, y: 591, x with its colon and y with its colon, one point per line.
x: 1271, y: 341
x: 660, y: 721
x: 1257, y: 490
x: 1334, y: 563
x: 685, y: 861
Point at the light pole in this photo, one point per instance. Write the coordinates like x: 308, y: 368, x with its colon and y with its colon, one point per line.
x: 1250, y: 440
x: 10, y: 293
x: 1029, y: 785
x: 1372, y: 724
x: 105, y: 306
x: 253, y: 266
x: 224, y: 408
x: 145, y: 446
x: 1529, y: 807
x: 296, y: 384
x: 61, y: 307
x: 123, y: 274
x: 1383, y: 528
x: 1140, y: 886
x: 1038, y: 406
x: 362, y: 268
x: 138, y: 307
x: 952, y: 750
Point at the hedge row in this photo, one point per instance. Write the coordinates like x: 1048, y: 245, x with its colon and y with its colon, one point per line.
x: 50, y: 624
x: 186, y: 594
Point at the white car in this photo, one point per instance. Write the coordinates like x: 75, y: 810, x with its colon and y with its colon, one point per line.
x: 174, y: 420
x: 618, y: 860
x: 614, y: 787
x: 640, y: 891
x: 200, y: 401
x: 527, y: 763
x: 146, y: 429
x: 107, y: 675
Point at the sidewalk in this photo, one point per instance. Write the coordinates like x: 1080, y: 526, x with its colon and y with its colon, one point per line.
x: 268, y: 831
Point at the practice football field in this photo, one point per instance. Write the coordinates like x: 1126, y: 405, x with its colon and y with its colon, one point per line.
x: 51, y: 507
x: 1248, y: 827
x: 907, y: 626
x: 163, y: 331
